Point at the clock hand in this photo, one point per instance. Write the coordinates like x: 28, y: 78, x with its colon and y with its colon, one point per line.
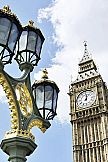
x: 86, y: 97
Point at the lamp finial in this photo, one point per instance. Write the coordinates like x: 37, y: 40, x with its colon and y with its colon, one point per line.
x: 45, y: 74
x: 7, y: 9
x: 31, y: 23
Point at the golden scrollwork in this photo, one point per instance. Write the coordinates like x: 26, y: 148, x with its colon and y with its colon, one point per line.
x: 24, y: 99
x: 38, y: 123
x: 19, y: 133
x: 11, y: 101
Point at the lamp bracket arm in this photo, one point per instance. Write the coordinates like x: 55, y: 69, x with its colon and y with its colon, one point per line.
x: 24, y: 75
x: 35, y: 120
x: 22, y: 79
x: 26, y: 68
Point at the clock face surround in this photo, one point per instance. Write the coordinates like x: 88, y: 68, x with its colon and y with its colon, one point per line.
x: 86, y: 98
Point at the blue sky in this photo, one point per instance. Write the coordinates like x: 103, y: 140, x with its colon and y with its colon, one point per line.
x: 65, y: 25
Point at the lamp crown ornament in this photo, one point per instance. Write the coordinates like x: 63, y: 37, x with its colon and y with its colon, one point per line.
x: 7, y: 9
x: 45, y: 74
x: 31, y: 23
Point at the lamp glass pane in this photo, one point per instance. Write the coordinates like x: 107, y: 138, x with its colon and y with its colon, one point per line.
x: 48, y: 97
x: 28, y: 56
x: 23, y: 56
x: 33, y: 58
x: 13, y: 37
x: 23, y: 41
x: 40, y: 96
x: 55, y: 100
x: 38, y: 46
x: 31, y: 41
x: 5, y: 26
x: 1, y: 48
x: 47, y: 113
x: 6, y: 56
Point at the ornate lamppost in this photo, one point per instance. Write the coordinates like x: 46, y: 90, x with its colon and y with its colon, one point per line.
x: 29, y: 105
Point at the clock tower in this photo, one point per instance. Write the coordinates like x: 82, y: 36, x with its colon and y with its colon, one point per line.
x: 89, y: 113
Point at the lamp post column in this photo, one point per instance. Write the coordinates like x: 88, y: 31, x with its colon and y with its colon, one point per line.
x: 18, y: 148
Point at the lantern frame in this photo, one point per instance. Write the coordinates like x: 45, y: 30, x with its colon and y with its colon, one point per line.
x: 27, y: 53
x: 46, y: 112
x: 10, y: 21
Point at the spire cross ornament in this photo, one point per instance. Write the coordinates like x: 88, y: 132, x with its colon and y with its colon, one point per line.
x: 85, y: 44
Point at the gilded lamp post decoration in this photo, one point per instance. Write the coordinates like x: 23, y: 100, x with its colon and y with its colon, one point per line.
x: 30, y: 105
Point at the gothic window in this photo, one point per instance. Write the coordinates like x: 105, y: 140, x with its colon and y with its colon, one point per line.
x: 86, y: 134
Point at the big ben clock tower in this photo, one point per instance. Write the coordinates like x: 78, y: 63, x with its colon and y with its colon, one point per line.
x: 89, y: 113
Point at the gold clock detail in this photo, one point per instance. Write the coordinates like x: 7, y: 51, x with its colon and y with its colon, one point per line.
x: 24, y: 99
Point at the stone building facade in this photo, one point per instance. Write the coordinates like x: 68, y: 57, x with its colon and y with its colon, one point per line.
x: 89, y: 113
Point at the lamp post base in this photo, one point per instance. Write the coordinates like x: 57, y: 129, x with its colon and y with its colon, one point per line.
x: 18, y: 148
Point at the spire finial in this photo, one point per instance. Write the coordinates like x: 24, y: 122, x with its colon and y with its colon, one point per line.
x: 85, y: 45
x: 45, y: 74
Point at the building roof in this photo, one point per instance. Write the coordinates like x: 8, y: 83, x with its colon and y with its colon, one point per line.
x: 87, y: 56
x: 87, y: 67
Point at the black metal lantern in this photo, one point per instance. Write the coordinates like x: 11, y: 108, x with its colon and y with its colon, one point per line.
x: 29, y: 45
x: 10, y: 30
x: 46, y: 94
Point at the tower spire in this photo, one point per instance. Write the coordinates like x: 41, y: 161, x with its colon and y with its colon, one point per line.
x: 87, y: 56
x: 86, y: 64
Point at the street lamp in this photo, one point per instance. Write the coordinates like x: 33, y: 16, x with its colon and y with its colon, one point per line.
x: 30, y: 105
x: 45, y: 93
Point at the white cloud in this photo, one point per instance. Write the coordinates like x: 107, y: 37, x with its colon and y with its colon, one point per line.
x: 74, y: 22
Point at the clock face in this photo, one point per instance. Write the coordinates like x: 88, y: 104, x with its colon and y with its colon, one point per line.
x: 86, y: 99
x: 24, y: 99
